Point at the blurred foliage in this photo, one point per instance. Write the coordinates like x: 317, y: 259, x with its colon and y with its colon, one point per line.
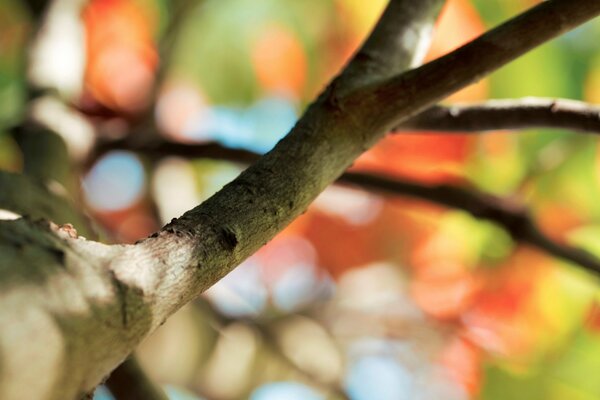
x: 381, y: 298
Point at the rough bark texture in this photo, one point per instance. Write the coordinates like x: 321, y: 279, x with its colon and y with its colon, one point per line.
x: 71, y: 310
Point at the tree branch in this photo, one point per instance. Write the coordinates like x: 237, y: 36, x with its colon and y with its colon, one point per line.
x: 491, y: 115
x: 271, y: 343
x: 398, y: 41
x: 249, y: 211
x: 407, y: 94
x: 514, y: 218
x: 101, y: 301
x: 494, y: 115
x: 511, y: 216
x: 77, y: 308
x: 129, y: 382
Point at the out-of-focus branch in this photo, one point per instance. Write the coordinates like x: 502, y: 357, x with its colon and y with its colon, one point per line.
x: 158, y: 149
x: 270, y: 340
x: 179, y: 11
x: 491, y: 115
x: 264, y: 329
x: 129, y: 382
x: 494, y: 115
x: 37, y: 9
x: 511, y: 216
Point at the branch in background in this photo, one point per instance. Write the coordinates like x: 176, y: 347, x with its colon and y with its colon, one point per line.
x: 491, y: 115
x: 158, y: 149
x: 129, y: 382
x: 37, y: 8
x: 511, y: 216
x: 494, y: 115
x: 514, y: 218
x: 270, y: 340
x: 179, y: 11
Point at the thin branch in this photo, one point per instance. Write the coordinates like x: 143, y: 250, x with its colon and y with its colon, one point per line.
x: 398, y: 41
x: 130, y: 382
x: 270, y: 340
x: 495, y: 115
x: 224, y: 230
x: 491, y: 115
x: 161, y: 148
x: 412, y: 92
x: 513, y: 217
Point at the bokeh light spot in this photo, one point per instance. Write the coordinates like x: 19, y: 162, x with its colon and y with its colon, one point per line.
x: 379, y: 378
x: 115, y: 182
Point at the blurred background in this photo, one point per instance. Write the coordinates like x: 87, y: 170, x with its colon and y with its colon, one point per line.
x: 363, y: 297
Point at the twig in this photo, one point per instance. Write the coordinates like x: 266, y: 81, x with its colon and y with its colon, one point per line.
x: 129, y: 382
x: 494, y: 115
x: 514, y: 218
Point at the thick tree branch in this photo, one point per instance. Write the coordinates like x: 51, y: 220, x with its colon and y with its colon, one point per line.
x: 124, y: 292
x: 250, y: 210
x: 495, y: 115
x: 86, y: 305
